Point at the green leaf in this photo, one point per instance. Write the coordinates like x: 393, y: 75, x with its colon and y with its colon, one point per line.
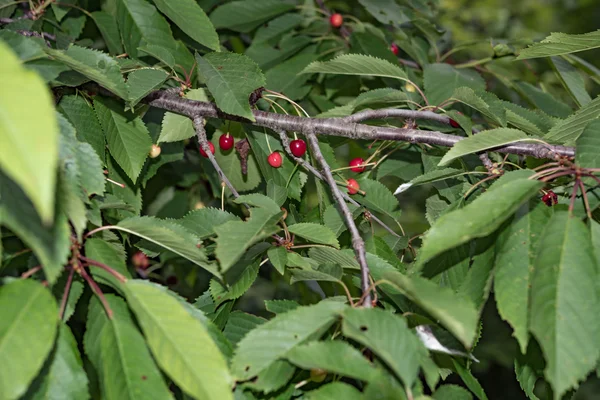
x: 561, y: 43
x: 141, y: 25
x: 180, y: 344
x: 441, y: 80
x: 231, y: 78
x: 168, y: 235
x: 235, y: 237
x: 568, y: 130
x: 516, y: 250
x: 484, y: 102
x: 277, y: 193
x: 220, y: 293
x: 177, y: 127
x: 202, y: 222
x: 244, y: 16
x: 81, y: 115
x: 564, y: 302
x: 75, y: 292
x: 344, y: 258
x: 274, y: 377
x: 483, y: 141
x: 436, y: 175
x: 163, y: 55
x: 232, y: 167
x: 572, y: 80
x: 315, y: 233
x: 95, y: 65
x: 64, y: 376
x: 335, y: 357
x: 332, y: 218
x: 357, y: 64
x: 452, y: 392
x: 378, y: 198
x: 388, y: 336
x: 286, y: 77
x: 27, y: 331
x: 128, y: 139
x: 280, y: 306
x: 258, y: 200
x: 479, y: 218
x: 268, y: 342
x: 108, y: 27
x: 26, y: 48
x: 110, y: 255
x: 334, y: 391
x: 119, y: 354
x: 469, y: 380
x: 29, y: 159
x: 543, y: 100
x: 239, y: 324
x: 278, y: 257
x: 49, y: 243
x: 587, y: 152
x: 142, y: 81
x: 534, y: 122
x: 387, y: 12
x: 455, y: 312
x: 191, y: 19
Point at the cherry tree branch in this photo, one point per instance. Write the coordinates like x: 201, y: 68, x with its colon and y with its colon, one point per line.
x: 341, y: 127
x: 357, y: 242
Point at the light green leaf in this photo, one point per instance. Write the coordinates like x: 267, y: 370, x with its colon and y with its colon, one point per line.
x: 26, y: 48
x: 325, y: 273
x: 278, y: 257
x: 142, y: 81
x: 277, y: 193
x: 141, y: 25
x: 170, y: 236
x: 543, y: 100
x: 479, y: 218
x: 231, y: 78
x: 177, y: 127
x: 335, y: 391
x: 571, y: 79
x: 315, y: 233
x: 534, y: 122
x: 163, y: 55
x: 378, y: 198
x: 440, y: 81
x: 29, y: 151
x: 561, y: 43
x: 273, y: 377
x: 388, y: 336
x: 357, y: 64
x: 81, y: 115
x: 29, y: 318
x: 484, y: 102
x: 108, y: 254
x: 344, y: 258
x: 387, y: 12
x: 239, y: 324
x: 64, y: 377
x: 93, y: 64
x: 280, y: 306
x: 108, y: 27
x: 564, y: 302
x: 191, y: 19
x: 516, y: 250
x: 259, y: 200
x: 235, y: 237
x: 452, y: 392
x: 243, y: 16
x: 568, y: 130
x: 128, y: 139
x: 180, y: 344
x: 455, y: 312
x: 119, y: 354
x: 272, y: 340
x: 483, y: 141
x: 202, y: 222
x: 335, y: 357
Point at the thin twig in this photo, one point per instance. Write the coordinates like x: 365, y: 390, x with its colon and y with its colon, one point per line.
x: 65, y: 296
x: 357, y: 241
x: 30, y: 272
x: 588, y: 211
x: 96, y: 289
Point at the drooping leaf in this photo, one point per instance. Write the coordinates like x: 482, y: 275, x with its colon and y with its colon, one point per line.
x: 481, y: 217
x: 28, y: 324
x: 95, y: 65
x: 542, y: 100
x: 357, y: 64
x: 202, y: 222
x: 265, y: 344
x: 388, y: 336
x: 231, y: 78
x: 180, y: 344
x: 29, y: 151
x: 191, y: 19
x: 484, y: 102
x: 142, y: 81
x: 278, y: 257
x: 128, y: 139
x: 564, y: 301
x: 587, y: 152
x: 568, y: 130
x: 314, y: 233
x: 245, y: 15
x: 168, y: 235
x: 119, y: 354
x: 484, y: 140
x: 109, y: 29
x: 572, y: 80
x: 440, y: 81
x: 561, y: 43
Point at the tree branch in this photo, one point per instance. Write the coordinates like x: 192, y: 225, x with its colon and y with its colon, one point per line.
x: 357, y: 242
x: 341, y: 127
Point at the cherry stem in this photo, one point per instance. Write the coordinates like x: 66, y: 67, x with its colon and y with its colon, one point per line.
x: 573, y: 196
x: 557, y: 175
x: 105, y: 267
x: 116, y: 183
x: 65, y: 296
x: 585, y: 199
x: 365, y: 164
x: 99, y: 229
x: 97, y: 291
x: 30, y: 272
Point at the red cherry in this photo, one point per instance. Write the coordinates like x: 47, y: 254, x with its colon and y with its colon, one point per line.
x: 212, y: 150
x: 454, y: 124
x: 395, y: 49
x: 352, y: 186
x: 356, y: 165
x: 550, y: 198
x: 336, y: 20
x: 275, y: 160
x: 140, y: 260
x: 226, y: 141
x: 298, y: 147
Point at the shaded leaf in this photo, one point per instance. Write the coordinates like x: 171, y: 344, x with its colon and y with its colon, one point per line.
x: 315, y: 233
x: 243, y: 16
x: 568, y: 130
x: 572, y: 80
x: 561, y: 43
x: 142, y: 81
x: 202, y: 222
